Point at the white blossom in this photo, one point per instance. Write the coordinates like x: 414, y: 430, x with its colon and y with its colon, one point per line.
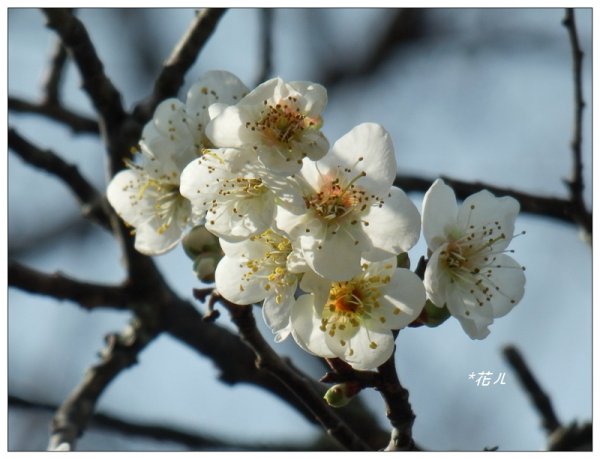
x: 348, y: 208
x: 262, y: 268
x: 146, y: 194
x: 354, y: 319
x: 228, y: 192
x: 469, y: 271
x: 279, y: 121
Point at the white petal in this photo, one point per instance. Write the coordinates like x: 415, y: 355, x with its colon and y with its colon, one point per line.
x: 484, y: 209
x: 435, y: 280
x: 314, y: 97
x: 403, y: 299
x: 439, y: 214
x: 366, y: 350
x: 305, y: 327
x: 123, y: 194
x: 215, y: 87
x: 230, y: 282
x: 277, y: 316
x: 335, y: 257
x: 150, y: 241
x: 393, y: 228
x: 366, y: 148
x: 227, y: 129
x: 510, y: 280
x: 316, y: 285
x: 474, y: 318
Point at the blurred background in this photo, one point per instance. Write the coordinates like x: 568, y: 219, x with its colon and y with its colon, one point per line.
x: 473, y: 94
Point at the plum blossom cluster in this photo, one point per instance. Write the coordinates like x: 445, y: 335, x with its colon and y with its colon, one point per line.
x: 312, y: 231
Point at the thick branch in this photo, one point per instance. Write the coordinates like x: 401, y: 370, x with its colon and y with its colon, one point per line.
x: 104, y: 96
x: 54, y: 76
x: 76, y: 411
x: 182, y: 58
x: 539, y: 398
x: 61, y: 287
x: 266, y: 358
x: 77, y: 123
x: 91, y: 201
x: 557, y: 208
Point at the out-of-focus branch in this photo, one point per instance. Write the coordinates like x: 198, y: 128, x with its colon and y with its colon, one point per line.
x: 557, y: 208
x: 266, y: 27
x: 77, y: 123
x: 179, y: 62
x: 61, y: 287
x: 54, y: 76
x: 539, y: 398
x: 91, y: 201
x: 76, y: 411
x: 104, y: 96
x: 405, y: 26
x: 267, y: 359
x: 576, y: 181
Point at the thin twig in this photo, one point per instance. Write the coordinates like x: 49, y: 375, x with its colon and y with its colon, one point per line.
x: 74, y: 414
x: 91, y: 201
x: 77, y: 123
x: 57, y: 285
x: 180, y: 61
x: 267, y: 358
x: 54, y: 77
x: 266, y: 27
x: 557, y: 208
x: 539, y: 398
x: 576, y: 181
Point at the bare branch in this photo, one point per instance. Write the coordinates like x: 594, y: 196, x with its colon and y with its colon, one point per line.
x: 538, y: 396
x: 557, y: 208
x: 77, y: 123
x: 54, y: 76
x: 193, y: 441
x: 91, y: 201
x: 576, y: 182
x: 76, y: 411
x: 182, y: 58
x: 266, y: 358
x: 61, y: 287
x: 266, y: 17
x: 104, y: 96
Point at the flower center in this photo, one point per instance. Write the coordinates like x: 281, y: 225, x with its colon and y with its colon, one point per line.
x: 167, y: 203
x: 283, y: 123
x: 272, y: 266
x: 335, y: 200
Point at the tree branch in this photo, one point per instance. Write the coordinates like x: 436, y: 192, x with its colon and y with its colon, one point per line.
x: 61, y: 287
x: 576, y: 182
x: 193, y: 441
x: 266, y: 358
x: 76, y: 411
x: 92, y: 203
x: 557, y: 208
x: 266, y: 26
x: 179, y: 62
x: 539, y: 398
x: 54, y: 76
x: 104, y: 96
x: 77, y: 123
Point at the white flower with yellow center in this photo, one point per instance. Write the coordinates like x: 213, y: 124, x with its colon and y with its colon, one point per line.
x: 349, y: 209
x: 146, y: 194
x: 229, y: 194
x: 354, y: 319
x: 279, y: 121
x: 469, y: 270
x: 264, y: 267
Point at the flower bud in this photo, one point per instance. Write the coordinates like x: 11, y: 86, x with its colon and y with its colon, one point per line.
x: 204, y: 249
x: 432, y: 315
x: 341, y: 394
